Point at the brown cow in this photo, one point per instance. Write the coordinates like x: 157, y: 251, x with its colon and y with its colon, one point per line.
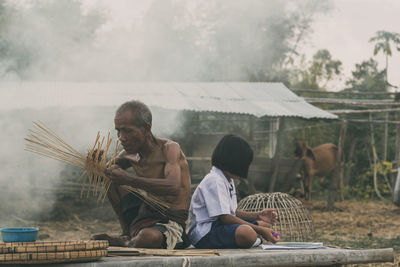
x: 319, y: 161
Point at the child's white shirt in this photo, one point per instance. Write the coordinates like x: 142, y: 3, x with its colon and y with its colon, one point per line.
x: 214, y: 196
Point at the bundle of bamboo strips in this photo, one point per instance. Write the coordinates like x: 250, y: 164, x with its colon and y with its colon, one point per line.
x: 46, y: 142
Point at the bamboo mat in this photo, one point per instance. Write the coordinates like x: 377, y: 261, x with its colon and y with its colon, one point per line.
x: 52, y: 257
x: 24, y: 247
x: 52, y: 252
x: 122, y: 251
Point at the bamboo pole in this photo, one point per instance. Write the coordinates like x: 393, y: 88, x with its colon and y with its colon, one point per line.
x: 344, y: 93
x: 352, y: 102
x: 351, y: 111
x: 374, y: 121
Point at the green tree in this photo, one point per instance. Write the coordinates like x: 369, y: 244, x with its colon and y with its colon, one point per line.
x: 367, y: 77
x: 320, y: 71
x: 382, y: 40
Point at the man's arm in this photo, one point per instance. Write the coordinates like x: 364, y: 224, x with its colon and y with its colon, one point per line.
x: 156, y: 185
x: 121, y: 160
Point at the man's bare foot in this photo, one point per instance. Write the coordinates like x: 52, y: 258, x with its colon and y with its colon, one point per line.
x: 122, y: 241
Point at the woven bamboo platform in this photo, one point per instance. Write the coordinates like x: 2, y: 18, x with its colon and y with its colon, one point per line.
x: 52, y: 252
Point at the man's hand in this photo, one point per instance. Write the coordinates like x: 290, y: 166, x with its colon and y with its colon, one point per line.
x: 266, y: 233
x: 268, y: 215
x: 96, y: 155
x: 117, y: 175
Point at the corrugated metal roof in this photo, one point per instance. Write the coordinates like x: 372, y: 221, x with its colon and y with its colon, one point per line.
x: 258, y: 99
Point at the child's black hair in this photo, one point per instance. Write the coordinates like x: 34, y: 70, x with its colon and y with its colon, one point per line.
x: 233, y: 154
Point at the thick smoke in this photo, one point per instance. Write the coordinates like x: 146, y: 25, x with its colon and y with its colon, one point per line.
x: 166, y: 40
x: 30, y: 183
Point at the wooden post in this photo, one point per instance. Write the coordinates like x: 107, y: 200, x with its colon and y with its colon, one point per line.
x: 385, y: 137
x: 337, y: 172
x: 277, y: 157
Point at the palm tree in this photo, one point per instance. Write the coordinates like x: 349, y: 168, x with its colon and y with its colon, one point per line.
x: 383, y: 40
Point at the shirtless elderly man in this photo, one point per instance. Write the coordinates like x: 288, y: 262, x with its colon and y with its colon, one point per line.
x: 160, y: 169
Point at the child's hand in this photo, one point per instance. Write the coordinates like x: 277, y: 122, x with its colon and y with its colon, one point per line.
x: 267, y: 234
x: 269, y: 216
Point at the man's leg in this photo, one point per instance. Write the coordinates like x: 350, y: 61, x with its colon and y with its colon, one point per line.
x: 121, y: 241
x: 147, y: 238
x: 115, y: 194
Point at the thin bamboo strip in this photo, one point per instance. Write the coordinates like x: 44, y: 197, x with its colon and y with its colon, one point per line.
x: 41, y: 125
x: 45, y: 142
x: 161, y: 252
x: 41, y: 140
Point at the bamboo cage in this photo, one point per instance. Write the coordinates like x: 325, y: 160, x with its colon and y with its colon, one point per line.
x: 43, y: 141
x: 294, y: 220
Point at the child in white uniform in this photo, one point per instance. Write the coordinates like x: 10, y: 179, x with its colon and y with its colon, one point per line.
x: 214, y: 221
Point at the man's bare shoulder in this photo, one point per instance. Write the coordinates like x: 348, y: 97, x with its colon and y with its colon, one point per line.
x: 170, y: 147
x: 168, y: 143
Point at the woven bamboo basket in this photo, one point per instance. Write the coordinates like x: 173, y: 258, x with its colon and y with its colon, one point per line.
x: 52, y: 252
x: 294, y: 220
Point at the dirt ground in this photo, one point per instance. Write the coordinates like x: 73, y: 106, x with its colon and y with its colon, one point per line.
x: 352, y: 224
x: 358, y: 225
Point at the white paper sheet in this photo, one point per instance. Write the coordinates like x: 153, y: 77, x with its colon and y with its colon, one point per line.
x: 293, y: 245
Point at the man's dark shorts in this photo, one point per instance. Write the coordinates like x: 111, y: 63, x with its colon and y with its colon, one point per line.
x: 130, y: 205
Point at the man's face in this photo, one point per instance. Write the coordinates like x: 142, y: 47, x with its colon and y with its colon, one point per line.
x: 131, y: 137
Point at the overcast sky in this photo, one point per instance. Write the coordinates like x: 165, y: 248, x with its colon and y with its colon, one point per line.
x: 346, y: 30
